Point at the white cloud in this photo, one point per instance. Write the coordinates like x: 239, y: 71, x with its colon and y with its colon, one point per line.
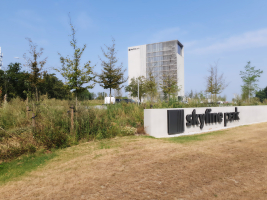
x: 252, y: 39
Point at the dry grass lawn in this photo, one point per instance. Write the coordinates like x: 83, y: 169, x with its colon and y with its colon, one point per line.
x: 227, y: 165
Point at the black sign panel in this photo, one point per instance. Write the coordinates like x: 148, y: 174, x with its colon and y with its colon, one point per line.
x: 175, y: 121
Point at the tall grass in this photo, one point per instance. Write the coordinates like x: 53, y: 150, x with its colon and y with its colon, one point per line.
x: 53, y: 125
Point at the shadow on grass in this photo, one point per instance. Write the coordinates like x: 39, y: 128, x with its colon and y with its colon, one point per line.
x: 197, y: 137
x: 16, y: 168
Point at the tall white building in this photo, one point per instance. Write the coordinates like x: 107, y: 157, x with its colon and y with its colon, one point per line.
x: 160, y: 58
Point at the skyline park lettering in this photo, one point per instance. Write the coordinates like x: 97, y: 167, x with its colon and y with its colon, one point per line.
x: 210, y: 118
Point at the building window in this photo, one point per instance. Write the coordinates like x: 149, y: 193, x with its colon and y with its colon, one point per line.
x: 179, y: 49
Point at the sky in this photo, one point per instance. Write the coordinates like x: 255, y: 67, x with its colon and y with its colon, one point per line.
x: 228, y: 32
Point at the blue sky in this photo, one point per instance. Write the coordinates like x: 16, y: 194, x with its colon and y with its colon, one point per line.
x: 233, y: 32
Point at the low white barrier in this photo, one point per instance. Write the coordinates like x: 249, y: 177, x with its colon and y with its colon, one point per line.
x: 175, y: 122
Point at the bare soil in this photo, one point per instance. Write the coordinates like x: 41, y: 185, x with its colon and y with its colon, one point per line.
x: 228, y: 165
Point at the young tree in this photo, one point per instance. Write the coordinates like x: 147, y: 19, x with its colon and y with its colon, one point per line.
x: 133, y: 87
x: 34, y: 65
x: 201, y: 95
x: 191, y: 94
x: 215, y: 83
x: 111, y: 77
x: 151, y: 85
x: 76, y: 76
x: 169, y: 84
x: 249, y: 77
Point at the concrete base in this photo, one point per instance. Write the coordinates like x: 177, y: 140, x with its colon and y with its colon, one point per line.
x: 156, y: 120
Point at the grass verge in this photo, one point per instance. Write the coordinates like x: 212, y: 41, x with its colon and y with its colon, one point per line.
x: 27, y: 163
x: 197, y: 137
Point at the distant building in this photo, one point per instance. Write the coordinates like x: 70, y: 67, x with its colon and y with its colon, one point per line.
x: 159, y: 58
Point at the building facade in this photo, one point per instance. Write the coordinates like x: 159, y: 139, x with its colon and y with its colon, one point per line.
x: 160, y: 59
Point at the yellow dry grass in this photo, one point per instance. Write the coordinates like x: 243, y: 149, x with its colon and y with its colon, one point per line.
x: 222, y: 166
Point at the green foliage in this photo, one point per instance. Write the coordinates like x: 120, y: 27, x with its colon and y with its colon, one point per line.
x: 111, y: 77
x: 151, y: 85
x: 52, y: 87
x: 215, y: 83
x: 169, y: 85
x: 101, y: 95
x: 133, y: 87
x: 53, y: 123
x: 75, y: 75
x: 35, y: 66
x: 86, y: 95
x: 16, y: 84
x: 262, y: 94
x: 249, y: 77
x: 12, y: 81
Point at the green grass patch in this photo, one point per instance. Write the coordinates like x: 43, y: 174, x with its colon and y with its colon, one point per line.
x: 108, y: 144
x: 193, y: 138
x: 16, y: 168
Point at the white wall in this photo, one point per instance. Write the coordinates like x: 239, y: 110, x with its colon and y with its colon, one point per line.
x: 136, y: 61
x: 155, y: 120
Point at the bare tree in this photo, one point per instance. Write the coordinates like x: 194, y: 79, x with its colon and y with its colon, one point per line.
x: 216, y: 82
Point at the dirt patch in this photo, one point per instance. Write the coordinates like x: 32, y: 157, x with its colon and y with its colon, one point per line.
x: 232, y: 165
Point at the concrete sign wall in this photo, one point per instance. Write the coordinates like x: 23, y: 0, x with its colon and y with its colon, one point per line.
x: 175, y: 122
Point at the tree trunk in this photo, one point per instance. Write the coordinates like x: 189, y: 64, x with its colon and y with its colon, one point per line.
x: 109, y: 95
x: 36, y: 91
x: 76, y: 102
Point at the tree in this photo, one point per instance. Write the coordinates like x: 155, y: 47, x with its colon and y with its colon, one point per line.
x: 53, y: 87
x: 262, y: 94
x: 249, y: 77
x: 151, y: 85
x: 111, y: 76
x: 75, y: 75
x: 201, y: 95
x: 169, y: 84
x: 133, y: 87
x: 215, y: 83
x: 85, y: 95
x: 34, y: 65
x: 101, y: 95
x: 12, y: 81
